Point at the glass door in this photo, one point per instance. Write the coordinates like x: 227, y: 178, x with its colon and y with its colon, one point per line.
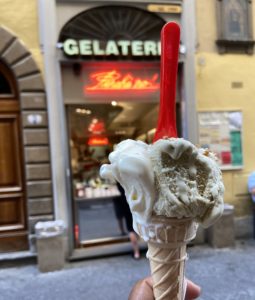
x: 94, y: 130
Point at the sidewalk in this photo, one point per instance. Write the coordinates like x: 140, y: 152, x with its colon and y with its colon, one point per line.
x: 223, y: 274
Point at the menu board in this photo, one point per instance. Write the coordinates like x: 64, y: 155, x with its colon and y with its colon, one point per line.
x: 221, y: 132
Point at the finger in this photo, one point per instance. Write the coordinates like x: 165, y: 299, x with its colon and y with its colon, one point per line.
x: 193, y: 290
x: 142, y: 290
x: 149, y: 281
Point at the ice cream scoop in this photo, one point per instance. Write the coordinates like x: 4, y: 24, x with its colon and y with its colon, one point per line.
x: 188, y: 181
x: 131, y: 167
x: 170, y: 178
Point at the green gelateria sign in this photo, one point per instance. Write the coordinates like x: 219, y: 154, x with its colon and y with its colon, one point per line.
x: 86, y: 47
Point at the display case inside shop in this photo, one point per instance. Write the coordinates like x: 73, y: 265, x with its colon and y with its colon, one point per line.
x: 87, y: 183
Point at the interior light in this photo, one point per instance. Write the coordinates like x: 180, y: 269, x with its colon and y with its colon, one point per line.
x: 98, y: 141
x: 120, y: 132
x: 83, y: 111
x: 114, y: 103
x: 152, y: 131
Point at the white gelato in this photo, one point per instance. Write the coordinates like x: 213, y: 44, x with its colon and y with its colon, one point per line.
x: 170, y: 178
x: 131, y: 167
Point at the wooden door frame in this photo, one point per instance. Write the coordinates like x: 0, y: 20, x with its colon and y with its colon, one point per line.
x: 14, y: 237
x: 28, y: 88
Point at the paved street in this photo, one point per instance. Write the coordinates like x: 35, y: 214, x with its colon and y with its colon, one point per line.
x: 223, y: 274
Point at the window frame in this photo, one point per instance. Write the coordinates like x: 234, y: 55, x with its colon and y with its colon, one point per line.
x: 229, y: 43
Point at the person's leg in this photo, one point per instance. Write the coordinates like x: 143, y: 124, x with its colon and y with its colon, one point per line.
x: 129, y: 224
x: 134, y: 241
x: 132, y: 235
x: 117, y: 204
x: 121, y: 226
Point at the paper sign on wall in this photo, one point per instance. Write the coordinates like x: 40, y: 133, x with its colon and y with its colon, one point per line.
x: 221, y: 132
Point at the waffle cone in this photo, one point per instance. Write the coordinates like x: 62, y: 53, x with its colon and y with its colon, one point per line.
x: 167, y: 240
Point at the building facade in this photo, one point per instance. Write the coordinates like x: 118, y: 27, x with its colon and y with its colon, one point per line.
x: 80, y: 76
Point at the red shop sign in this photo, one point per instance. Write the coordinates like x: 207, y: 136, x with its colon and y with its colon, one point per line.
x: 120, y: 79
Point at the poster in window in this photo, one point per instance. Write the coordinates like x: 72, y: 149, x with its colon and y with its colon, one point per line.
x: 221, y: 132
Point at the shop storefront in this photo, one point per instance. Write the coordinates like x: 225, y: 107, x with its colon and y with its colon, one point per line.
x: 110, y: 76
x: 108, y: 62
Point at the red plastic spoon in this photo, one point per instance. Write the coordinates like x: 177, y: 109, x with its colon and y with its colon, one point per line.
x: 170, y: 40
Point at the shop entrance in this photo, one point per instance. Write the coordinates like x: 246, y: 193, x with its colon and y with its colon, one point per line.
x: 13, y: 234
x: 111, y: 84
x: 94, y: 130
x: 106, y: 102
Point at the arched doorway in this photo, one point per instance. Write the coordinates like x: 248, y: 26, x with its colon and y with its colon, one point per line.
x: 13, y: 212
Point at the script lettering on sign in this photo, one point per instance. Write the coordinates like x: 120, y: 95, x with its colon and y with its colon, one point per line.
x: 114, y: 80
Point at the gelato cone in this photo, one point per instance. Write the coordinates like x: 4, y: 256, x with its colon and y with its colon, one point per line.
x: 170, y: 186
x: 167, y: 239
